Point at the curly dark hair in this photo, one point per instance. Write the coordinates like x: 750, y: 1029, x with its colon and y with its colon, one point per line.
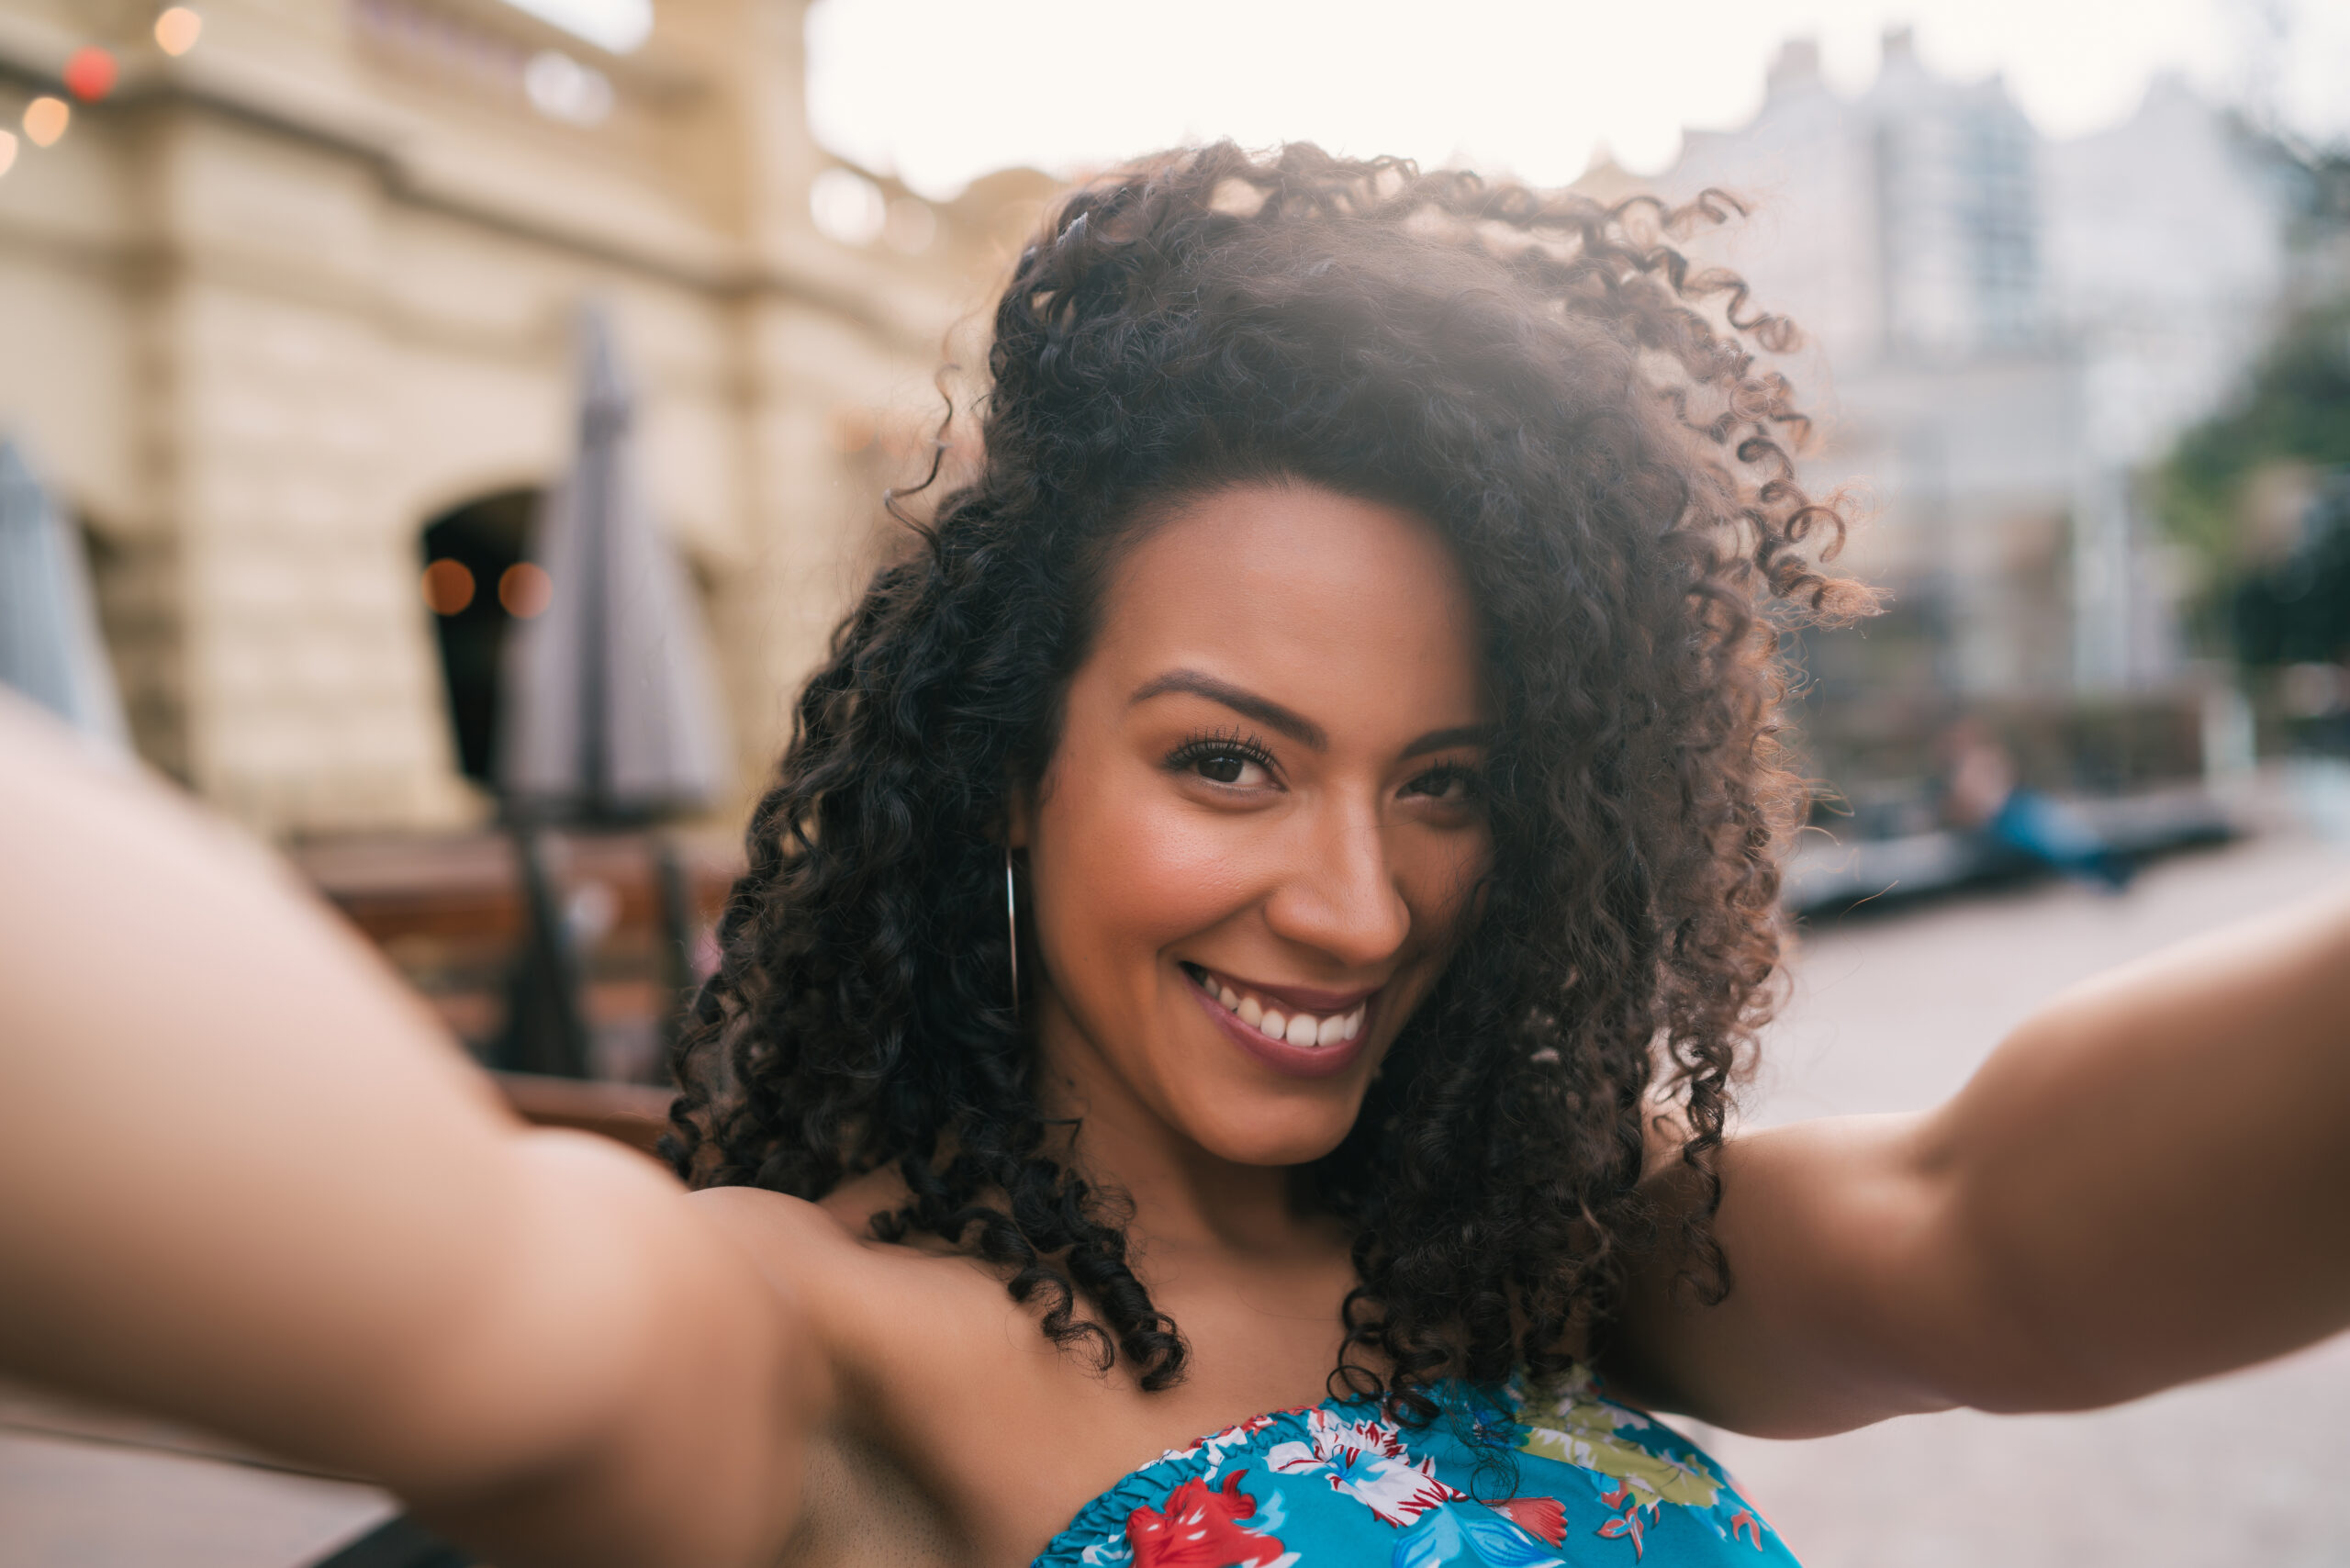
x: 1578, y: 408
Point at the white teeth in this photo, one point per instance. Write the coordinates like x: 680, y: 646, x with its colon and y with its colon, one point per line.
x: 1303, y: 1030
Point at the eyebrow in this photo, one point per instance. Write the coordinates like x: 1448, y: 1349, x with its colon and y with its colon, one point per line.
x: 1240, y: 700
x: 1445, y: 739
x: 1296, y: 726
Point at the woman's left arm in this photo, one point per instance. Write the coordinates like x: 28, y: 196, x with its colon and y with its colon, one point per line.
x: 2149, y: 1182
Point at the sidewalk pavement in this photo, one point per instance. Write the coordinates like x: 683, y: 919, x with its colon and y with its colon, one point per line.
x: 1894, y: 1014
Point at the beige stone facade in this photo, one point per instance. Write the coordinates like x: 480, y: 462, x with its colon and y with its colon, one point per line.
x: 272, y: 305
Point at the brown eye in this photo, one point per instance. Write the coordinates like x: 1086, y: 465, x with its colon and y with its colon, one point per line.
x: 1222, y: 768
x: 1450, y: 786
x: 1218, y: 759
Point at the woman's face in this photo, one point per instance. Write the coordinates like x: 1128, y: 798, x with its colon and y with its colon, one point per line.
x: 1256, y: 843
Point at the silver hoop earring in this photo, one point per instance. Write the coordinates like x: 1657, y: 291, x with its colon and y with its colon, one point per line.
x: 1011, y: 925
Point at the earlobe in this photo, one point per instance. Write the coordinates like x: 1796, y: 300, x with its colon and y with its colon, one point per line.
x: 1017, y: 813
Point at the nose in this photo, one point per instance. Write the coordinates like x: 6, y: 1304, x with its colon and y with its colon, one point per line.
x: 1340, y: 899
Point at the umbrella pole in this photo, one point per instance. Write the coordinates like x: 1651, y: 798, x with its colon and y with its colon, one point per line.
x: 546, y: 1019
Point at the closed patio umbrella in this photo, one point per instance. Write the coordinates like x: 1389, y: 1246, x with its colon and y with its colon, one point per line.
x: 608, y: 715
x: 50, y: 646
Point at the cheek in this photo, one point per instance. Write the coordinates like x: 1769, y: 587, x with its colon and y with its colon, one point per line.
x: 1465, y: 880
x: 1442, y: 879
x: 1121, y: 868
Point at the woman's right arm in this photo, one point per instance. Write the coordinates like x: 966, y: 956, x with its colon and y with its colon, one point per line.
x: 245, y: 1180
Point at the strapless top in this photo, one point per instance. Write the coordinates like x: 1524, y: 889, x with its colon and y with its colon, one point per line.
x: 1520, y: 1477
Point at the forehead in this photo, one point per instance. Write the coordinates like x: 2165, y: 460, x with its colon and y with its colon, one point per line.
x: 1309, y: 598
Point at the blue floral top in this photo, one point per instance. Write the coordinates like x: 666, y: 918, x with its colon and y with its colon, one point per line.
x: 1516, y: 1477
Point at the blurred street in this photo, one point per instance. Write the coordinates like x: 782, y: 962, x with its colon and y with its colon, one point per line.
x: 1892, y: 1014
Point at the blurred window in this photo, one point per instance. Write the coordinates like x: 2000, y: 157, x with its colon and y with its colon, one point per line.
x: 473, y: 562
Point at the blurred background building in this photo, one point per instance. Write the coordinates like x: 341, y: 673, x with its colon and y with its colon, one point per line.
x: 287, y: 316
x: 284, y: 319
x: 2008, y: 335
x: 288, y: 303
x: 291, y: 294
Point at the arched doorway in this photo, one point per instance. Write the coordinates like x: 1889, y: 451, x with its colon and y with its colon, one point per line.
x: 477, y: 582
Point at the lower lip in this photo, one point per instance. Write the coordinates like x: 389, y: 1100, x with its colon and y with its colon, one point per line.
x: 1290, y: 1062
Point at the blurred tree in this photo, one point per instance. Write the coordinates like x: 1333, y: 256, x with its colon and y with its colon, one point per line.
x: 2276, y: 589
x: 2298, y: 610
x: 2296, y: 412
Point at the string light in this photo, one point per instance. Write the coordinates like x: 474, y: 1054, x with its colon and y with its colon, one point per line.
x: 524, y: 589
x: 448, y: 585
x: 46, y: 120
x: 8, y: 150
x: 177, y: 30
x: 90, y: 73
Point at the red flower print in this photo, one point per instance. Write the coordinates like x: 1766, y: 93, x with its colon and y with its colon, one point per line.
x: 1745, y: 1522
x: 1545, y: 1518
x: 1628, y: 1525
x: 1201, y: 1530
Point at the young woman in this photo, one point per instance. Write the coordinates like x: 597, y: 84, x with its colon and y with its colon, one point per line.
x: 1254, y: 935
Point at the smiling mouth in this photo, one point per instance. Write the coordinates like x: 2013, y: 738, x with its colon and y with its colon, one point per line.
x: 1290, y: 1025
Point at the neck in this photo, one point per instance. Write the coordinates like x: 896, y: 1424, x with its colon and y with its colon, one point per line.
x: 1186, y: 1198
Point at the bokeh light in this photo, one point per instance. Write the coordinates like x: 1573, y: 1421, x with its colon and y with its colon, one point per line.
x: 448, y: 585
x: 848, y: 207
x: 524, y: 589
x: 177, y: 30
x: 46, y: 120
x: 90, y: 73
x: 561, y: 88
x: 8, y: 150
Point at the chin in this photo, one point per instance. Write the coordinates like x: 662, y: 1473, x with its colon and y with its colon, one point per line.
x: 1276, y: 1132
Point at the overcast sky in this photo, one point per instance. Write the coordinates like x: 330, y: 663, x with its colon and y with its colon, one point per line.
x: 938, y: 91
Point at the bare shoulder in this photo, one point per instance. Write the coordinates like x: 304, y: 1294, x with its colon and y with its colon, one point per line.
x: 898, y: 1328
x: 804, y: 1249
x: 859, y: 1291
x: 922, y: 1345
x: 836, y: 1228
x: 762, y: 1218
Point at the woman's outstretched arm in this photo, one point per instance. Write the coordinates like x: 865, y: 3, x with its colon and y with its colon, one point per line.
x: 248, y: 1182
x: 2148, y: 1182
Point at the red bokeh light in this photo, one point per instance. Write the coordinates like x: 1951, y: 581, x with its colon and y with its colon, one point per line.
x: 524, y: 589
x: 89, y: 74
x: 448, y: 585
